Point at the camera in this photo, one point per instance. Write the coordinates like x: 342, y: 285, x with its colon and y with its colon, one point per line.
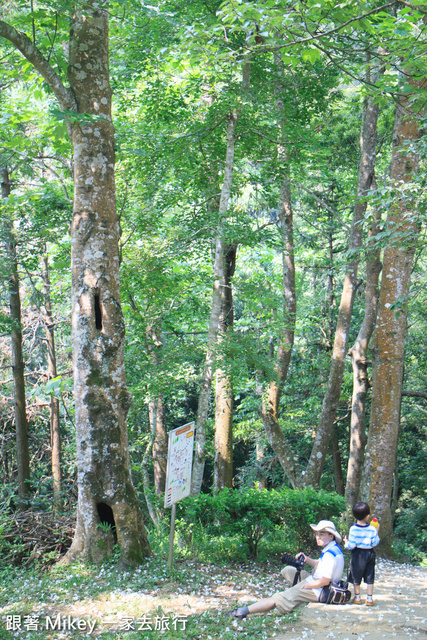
x: 292, y: 562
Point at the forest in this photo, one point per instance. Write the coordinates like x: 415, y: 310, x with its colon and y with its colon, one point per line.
x: 211, y: 211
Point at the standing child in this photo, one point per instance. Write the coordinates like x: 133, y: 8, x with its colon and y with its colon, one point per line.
x: 361, y: 540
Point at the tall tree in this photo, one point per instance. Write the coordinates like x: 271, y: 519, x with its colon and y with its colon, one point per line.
x: 218, y: 270
x: 368, y: 138
x: 224, y: 397
x: 52, y: 372
x: 106, y: 492
x: 391, y: 325
x: 359, y: 359
x: 21, y: 423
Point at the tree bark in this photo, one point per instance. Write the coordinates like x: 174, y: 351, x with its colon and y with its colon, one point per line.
x: 218, y: 270
x: 366, y: 171
x: 224, y: 397
x: 269, y: 409
x: 391, y: 322
x: 336, y: 457
x: 270, y: 405
x: 157, y: 415
x: 55, y: 436
x: 358, y: 354
x: 105, y: 490
x: 21, y: 424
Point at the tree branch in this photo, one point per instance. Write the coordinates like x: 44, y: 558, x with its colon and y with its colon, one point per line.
x: 415, y: 394
x: 23, y: 43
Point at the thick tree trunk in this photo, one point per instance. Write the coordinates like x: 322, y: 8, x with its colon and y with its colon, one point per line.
x: 391, y: 320
x: 106, y: 493
x: 218, y: 269
x: 224, y: 397
x: 21, y: 424
x: 359, y: 360
x: 55, y: 436
x: 325, y: 425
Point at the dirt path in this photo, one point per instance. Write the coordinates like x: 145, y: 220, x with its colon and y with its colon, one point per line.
x: 400, y: 610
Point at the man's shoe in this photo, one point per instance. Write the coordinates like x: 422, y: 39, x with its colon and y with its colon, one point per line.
x: 235, y: 614
x: 357, y: 601
x: 370, y: 603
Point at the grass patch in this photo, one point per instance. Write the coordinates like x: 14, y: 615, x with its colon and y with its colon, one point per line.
x: 146, y: 603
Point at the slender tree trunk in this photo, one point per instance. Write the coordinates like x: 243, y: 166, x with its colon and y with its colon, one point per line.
x: 391, y: 323
x: 21, y: 424
x: 218, y: 269
x: 270, y: 404
x: 260, y: 459
x: 359, y: 360
x: 160, y: 448
x: 269, y: 409
x: 224, y: 398
x: 336, y: 457
x: 330, y: 290
x: 105, y: 490
x: 152, y: 411
x: 55, y: 436
x: 157, y: 417
x: 366, y: 170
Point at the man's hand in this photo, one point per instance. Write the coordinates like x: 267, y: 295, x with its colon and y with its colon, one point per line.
x: 317, y: 584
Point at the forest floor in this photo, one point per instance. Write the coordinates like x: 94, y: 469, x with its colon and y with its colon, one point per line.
x: 400, y: 610
x: 152, y: 604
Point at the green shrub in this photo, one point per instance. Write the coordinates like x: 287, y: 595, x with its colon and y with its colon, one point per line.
x: 251, y: 514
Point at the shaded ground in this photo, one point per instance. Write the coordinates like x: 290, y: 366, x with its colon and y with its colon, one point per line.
x: 202, y: 593
x: 400, y: 610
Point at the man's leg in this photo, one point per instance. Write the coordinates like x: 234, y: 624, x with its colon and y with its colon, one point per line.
x: 289, y: 574
x: 257, y: 607
x: 262, y: 605
x: 294, y: 597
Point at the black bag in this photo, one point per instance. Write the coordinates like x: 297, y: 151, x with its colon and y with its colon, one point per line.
x: 335, y: 593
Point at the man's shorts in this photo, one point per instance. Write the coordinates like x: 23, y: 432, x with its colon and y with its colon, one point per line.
x: 362, y: 566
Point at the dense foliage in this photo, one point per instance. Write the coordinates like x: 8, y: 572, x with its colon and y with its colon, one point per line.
x: 176, y: 73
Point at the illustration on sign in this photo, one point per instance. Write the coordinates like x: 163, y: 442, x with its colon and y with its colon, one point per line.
x: 180, y: 462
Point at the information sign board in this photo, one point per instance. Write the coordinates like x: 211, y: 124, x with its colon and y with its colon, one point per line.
x: 180, y: 462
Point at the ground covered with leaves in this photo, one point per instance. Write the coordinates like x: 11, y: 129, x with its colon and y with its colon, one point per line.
x: 151, y: 603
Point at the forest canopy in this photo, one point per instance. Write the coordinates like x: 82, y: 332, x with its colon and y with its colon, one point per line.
x: 213, y: 211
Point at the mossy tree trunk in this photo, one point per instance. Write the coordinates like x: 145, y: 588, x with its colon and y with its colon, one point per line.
x: 390, y: 329
x: 105, y: 491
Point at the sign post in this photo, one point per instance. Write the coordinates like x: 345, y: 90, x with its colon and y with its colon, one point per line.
x: 178, y: 474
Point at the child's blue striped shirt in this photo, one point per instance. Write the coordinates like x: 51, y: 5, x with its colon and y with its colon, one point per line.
x: 362, y: 537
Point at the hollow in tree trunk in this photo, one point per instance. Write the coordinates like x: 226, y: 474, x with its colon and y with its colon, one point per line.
x: 106, y: 495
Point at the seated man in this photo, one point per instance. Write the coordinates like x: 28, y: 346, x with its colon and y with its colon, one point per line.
x: 329, y: 567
